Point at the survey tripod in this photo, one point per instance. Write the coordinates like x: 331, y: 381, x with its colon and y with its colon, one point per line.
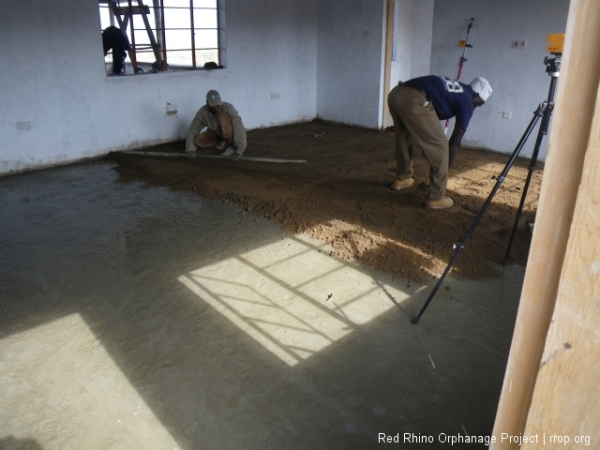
x: 544, y: 111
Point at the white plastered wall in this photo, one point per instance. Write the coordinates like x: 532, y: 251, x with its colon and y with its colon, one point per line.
x: 517, y: 75
x: 53, y: 78
x: 411, y: 51
x: 411, y: 42
x: 351, y: 47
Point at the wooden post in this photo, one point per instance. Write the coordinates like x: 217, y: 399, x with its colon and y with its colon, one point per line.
x: 555, y: 227
x: 389, y: 44
x: 565, y: 410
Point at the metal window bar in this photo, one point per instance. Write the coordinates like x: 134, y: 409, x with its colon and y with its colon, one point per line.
x: 162, y: 33
x: 192, y: 33
x: 219, y: 56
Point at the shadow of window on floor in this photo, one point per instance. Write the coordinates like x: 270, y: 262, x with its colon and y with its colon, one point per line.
x: 291, y: 299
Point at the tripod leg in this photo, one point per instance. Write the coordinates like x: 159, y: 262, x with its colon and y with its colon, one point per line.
x: 532, y: 166
x: 499, y: 180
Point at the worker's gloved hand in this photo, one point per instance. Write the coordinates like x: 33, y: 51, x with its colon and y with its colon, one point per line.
x: 453, y: 151
x: 236, y: 156
x: 191, y: 155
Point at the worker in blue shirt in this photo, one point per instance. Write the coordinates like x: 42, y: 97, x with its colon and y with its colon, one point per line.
x: 417, y: 107
x: 114, y: 39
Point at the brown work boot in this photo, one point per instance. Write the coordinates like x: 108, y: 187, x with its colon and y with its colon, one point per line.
x: 442, y: 203
x: 402, y: 184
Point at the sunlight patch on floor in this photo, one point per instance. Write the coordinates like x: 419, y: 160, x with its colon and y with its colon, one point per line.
x: 292, y: 298
x: 60, y: 375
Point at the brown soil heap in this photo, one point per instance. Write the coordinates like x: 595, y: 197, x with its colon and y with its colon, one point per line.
x: 341, y: 197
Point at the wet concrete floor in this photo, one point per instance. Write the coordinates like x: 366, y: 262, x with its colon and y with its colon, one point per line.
x: 135, y: 317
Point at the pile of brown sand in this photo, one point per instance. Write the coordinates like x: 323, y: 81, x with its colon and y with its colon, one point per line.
x: 341, y: 197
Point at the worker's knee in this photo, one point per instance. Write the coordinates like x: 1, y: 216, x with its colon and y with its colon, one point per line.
x: 207, y: 139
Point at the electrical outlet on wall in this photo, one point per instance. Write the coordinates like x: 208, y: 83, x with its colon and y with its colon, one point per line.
x: 171, y: 109
x: 519, y: 44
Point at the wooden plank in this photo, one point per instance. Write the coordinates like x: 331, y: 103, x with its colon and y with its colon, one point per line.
x: 123, y: 10
x: 203, y: 155
x: 565, y: 409
x: 569, y: 135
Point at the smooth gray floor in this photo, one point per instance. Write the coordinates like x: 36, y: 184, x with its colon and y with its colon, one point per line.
x: 136, y: 317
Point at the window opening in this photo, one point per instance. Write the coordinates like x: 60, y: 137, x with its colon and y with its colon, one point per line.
x: 166, y: 34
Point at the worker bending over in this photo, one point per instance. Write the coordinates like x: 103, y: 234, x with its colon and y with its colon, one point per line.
x: 114, y: 39
x: 217, y: 124
x: 417, y: 107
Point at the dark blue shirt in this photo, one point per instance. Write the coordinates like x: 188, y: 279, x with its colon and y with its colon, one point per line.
x: 450, y: 98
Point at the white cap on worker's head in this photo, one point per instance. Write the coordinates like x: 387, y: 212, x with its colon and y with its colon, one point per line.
x: 213, y: 98
x: 482, y: 87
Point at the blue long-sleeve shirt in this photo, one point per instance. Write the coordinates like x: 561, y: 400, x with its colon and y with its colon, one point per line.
x: 450, y: 98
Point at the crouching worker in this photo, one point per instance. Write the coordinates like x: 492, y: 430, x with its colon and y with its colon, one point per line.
x: 217, y: 124
x: 417, y: 106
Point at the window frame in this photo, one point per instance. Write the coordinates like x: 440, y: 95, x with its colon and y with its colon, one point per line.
x: 127, y: 15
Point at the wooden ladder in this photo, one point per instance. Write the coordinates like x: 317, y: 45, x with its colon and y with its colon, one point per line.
x: 124, y: 17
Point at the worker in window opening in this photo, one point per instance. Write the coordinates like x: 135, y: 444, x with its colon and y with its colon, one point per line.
x: 113, y: 38
x: 417, y: 106
x: 217, y: 124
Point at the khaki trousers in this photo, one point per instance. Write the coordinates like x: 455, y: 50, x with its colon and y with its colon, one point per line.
x: 416, y: 124
x: 211, y: 138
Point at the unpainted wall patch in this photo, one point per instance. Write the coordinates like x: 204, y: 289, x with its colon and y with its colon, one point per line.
x: 171, y: 109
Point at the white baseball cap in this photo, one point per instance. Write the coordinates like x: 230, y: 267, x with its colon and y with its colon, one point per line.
x: 482, y: 87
